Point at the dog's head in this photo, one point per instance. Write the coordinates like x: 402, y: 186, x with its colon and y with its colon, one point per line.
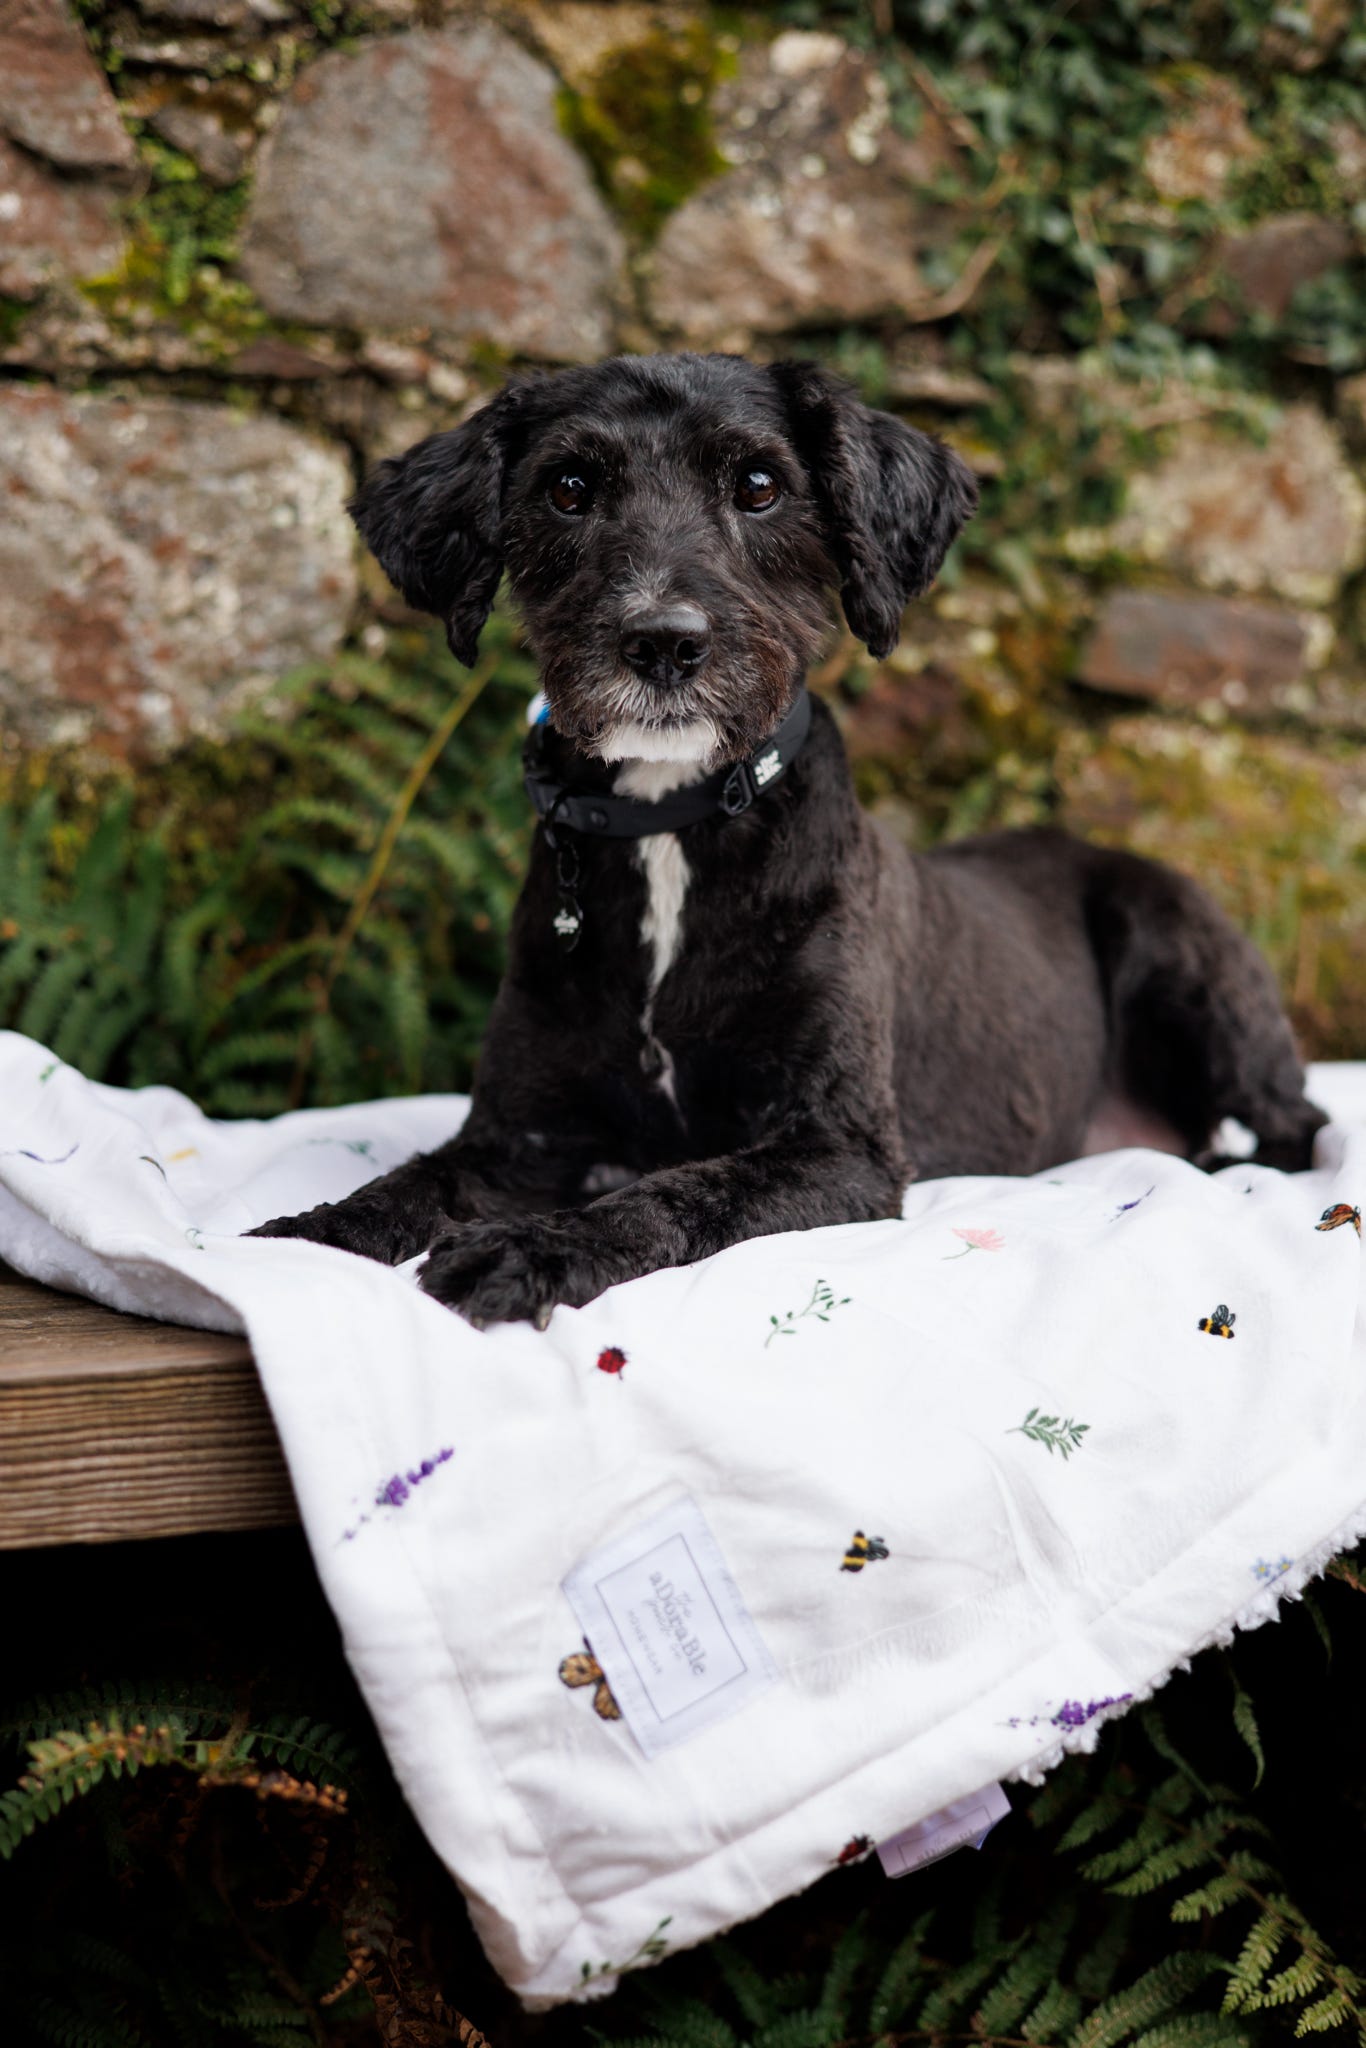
x: 672, y: 527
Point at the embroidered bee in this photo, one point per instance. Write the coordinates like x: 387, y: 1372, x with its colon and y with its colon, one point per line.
x: 1340, y: 1213
x: 612, y: 1360
x: 863, y: 1550
x: 855, y: 1849
x: 583, y: 1668
x: 1220, y: 1324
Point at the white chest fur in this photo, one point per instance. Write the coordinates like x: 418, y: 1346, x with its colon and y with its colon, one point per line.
x: 664, y: 866
x: 662, y: 862
x: 665, y: 869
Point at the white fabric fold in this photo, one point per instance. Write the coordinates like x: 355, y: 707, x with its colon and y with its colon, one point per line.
x: 1075, y: 1484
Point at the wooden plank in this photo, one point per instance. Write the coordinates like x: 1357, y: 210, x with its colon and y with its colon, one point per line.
x: 112, y: 1426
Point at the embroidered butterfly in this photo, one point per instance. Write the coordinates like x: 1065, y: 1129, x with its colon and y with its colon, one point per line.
x: 1340, y: 1213
x: 583, y: 1668
x: 863, y: 1550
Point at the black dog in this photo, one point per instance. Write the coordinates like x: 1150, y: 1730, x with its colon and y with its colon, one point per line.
x: 770, y: 1017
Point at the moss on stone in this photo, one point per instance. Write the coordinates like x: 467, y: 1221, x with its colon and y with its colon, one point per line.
x: 644, y: 120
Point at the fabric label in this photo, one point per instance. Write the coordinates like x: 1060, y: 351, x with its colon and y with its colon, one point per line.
x: 966, y: 1821
x: 664, y: 1618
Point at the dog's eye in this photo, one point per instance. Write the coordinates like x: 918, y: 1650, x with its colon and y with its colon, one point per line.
x: 571, y: 493
x: 756, y: 490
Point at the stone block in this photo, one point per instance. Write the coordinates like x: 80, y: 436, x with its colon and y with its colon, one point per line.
x: 54, y: 99
x: 422, y: 182
x: 1263, y: 267
x: 1192, y: 653
x: 52, y: 226
x: 59, y: 131
x: 159, y: 561
x: 827, y: 212
x: 1285, y: 516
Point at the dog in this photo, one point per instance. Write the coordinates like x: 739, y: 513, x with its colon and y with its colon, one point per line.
x: 733, y: 1005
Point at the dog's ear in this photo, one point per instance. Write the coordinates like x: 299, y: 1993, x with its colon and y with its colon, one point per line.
x: 432, y: 519
x: 893, y: 499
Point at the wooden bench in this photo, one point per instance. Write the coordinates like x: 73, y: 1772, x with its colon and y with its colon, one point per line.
x: 114, y: 1427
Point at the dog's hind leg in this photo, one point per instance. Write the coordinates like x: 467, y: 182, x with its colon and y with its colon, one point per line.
x: 1197, y: 1030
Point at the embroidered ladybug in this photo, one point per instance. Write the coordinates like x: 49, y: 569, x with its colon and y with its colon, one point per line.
x: 855, y: 1849
x: 612, y: 1360
x: 1340, y: 1213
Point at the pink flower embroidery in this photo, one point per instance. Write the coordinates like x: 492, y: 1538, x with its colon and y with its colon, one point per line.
x: 977, y: 1241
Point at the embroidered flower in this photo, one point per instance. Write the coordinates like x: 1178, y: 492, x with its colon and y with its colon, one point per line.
x: 977, y: 1241
x: 1071, y: 1714
x: 393, y: 1492
x: 1266, y: 1571
x: 822, y: 1306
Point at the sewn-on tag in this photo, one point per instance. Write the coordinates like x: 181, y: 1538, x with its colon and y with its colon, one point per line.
x: 966, y: 1821
x: 664, y: 1618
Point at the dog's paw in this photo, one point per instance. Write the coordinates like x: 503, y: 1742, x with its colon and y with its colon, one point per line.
x: 346, y: 1226
x: 517, y: 1271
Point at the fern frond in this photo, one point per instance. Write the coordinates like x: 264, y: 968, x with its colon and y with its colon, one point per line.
x: 1325, y: 2014
x: 901, y: 1975
x: 1309, y: 1602
x: 1171, y: 1861
x: 747, y: 1986
x: 849, y: 1956
x: 1016, y: 1991
x: 1194, y: 2030
x: 960, y: 1987
x: 1096, y: 1818
x: 1056, y: 2013
x: 1155, y: 1996
x: 1260, y: 1947
x: 1245, y: 1721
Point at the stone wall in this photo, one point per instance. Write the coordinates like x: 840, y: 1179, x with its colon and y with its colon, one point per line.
x: 249, y: 246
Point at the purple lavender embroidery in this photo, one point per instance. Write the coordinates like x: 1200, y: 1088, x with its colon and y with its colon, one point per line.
x: 1071, y: 1714
x: 393, y: 1492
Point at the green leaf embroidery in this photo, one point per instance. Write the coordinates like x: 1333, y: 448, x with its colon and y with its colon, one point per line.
x: 1052, y: 1431
x: 822, y: 1306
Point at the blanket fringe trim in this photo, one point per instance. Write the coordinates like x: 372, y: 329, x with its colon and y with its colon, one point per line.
x: 1265, y: 1605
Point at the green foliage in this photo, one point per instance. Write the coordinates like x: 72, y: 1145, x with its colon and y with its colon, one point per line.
x: 644, y: 121
x: 1056, y: 107
x: 312, y: 914
x: 243, y: 1969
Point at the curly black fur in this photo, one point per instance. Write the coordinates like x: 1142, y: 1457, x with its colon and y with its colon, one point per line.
x: 839, y: 1017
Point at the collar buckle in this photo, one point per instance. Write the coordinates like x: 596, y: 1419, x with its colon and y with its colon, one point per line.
x: 738, y: 791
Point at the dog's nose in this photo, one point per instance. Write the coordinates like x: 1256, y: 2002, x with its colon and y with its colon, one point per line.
x: 667, y: 646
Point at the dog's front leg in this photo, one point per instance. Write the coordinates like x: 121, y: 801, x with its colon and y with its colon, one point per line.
x: 477, y: 1174
x: 806, y: 1174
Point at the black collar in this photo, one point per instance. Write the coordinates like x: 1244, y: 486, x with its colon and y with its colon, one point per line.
x: 729, y: 790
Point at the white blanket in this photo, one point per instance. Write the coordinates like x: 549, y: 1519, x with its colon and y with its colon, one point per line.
x: 909, y: 1530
